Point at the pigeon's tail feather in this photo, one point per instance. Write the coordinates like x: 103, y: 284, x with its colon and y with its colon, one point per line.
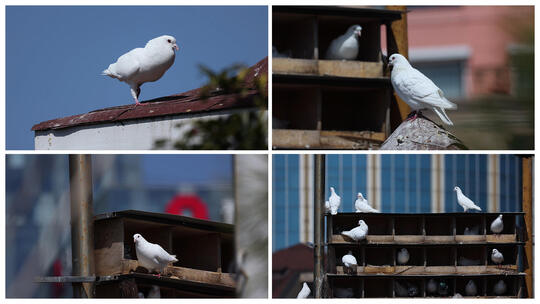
x: 476, y: 208
x: 110, y: 73
x: 347, y: 233
x: 442, y: 115
x: 174, y: 259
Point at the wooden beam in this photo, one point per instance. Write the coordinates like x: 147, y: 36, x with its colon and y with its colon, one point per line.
x: 398, y: 42
x: 527, y: 208
x: 188, y: 274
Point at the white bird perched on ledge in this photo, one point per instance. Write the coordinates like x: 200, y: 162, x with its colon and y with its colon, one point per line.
x: 146, y: 64
x: 304, y: 292
x: 418, y: 91
x: 362, y: 205
x: 345, y: 47
x: 152, y: 256
x: 333, y: 202
x: 358, y: 233
x: 497, y: 225
x: 464, y: 201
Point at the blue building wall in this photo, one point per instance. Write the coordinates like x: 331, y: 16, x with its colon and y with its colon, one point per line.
x: 405, y: 184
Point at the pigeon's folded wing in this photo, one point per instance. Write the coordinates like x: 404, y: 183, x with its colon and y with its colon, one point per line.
x: 128, y: 64
x: 162, y: 256
x: 422, y: 89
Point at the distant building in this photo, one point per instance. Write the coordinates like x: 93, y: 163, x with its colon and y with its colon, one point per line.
x: 466, y: 50
x: 391, y: 183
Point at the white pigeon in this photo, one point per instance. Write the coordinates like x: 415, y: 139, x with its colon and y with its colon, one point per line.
x: 304, y: 293
x: 333, y: 202
x: 431, y: 286
x: 418, y: 91
x: 146, y: 64
x: 499, y: 288
x: 457, y: 296
x: 152, y: 256
x: 497, y: 257
x: 497, y: 225
x: 345, y: 47
x: 470, y: 288
x: 349, y: 260
x: 464, y: 201
x: 362, y: 205
x: 358, y: 233
x: 403, y: 256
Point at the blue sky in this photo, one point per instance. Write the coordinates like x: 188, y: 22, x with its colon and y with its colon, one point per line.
x: 166, y: 169
x: 55, y: 55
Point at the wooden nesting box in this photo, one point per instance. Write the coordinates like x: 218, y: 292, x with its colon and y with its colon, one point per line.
x: 334, y: 104
x: 204, y: 249
x: 452, y: 247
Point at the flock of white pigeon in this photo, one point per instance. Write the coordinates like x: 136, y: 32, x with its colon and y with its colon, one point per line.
x: 360, y: 232
x: 418, y: 91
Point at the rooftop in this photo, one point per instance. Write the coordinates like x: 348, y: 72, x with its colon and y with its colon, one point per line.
x: 189, y: 102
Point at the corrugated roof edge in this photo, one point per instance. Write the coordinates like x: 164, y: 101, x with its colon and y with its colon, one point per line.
x: 189, y: 102
x: 167, y: 218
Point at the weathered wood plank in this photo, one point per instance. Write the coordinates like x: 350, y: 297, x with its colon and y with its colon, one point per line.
x: 339, y: 68
x: 294, y: 66
x: 501, y: 238
x: 108, y: 247
x: 309, y: 139
x: 188, y: 274
x: 356, y: 69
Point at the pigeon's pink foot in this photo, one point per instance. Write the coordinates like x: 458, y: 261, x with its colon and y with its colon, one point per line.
x: 411, y: 118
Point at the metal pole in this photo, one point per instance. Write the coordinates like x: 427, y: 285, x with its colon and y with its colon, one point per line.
x: 82, y: 224
x: 318, y: 219
x: 527, y: 177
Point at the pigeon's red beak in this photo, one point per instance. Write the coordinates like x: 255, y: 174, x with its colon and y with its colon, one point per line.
x: 176, y: 47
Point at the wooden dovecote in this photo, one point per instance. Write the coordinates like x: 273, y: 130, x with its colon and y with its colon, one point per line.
x: 329, y: 104
x: 439, y: 249
x: 204, y: 249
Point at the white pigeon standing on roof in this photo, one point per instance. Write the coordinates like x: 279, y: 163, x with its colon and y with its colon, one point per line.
x: 418, y: 91
x: 146, y: 64
x: 497, y: 257
x: 333, y: 202
x: 304, y: 292
x: 497, y: 225
x: 152, y: 256
x: 464, y: 201
x: 362, y: 205
x: 345, y: 47
x: 349, y: 261
x: 358, y: 233
x: 403, y: 256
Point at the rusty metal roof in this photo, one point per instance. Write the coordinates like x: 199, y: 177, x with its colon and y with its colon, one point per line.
x: 184, y: 103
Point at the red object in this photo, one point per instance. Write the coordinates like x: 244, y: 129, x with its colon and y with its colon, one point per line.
x: 58, y: 288
x: 180, y: 203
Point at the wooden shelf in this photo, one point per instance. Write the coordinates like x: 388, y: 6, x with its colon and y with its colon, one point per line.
x: 338, y: 68
x: 313, y: 139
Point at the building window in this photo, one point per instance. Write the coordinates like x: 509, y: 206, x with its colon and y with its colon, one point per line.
x: 447, y: 75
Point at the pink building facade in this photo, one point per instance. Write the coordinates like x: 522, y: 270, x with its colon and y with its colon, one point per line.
x: 466, y: 49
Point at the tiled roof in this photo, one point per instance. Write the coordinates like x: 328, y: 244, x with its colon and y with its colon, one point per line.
x: 184, y: 103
